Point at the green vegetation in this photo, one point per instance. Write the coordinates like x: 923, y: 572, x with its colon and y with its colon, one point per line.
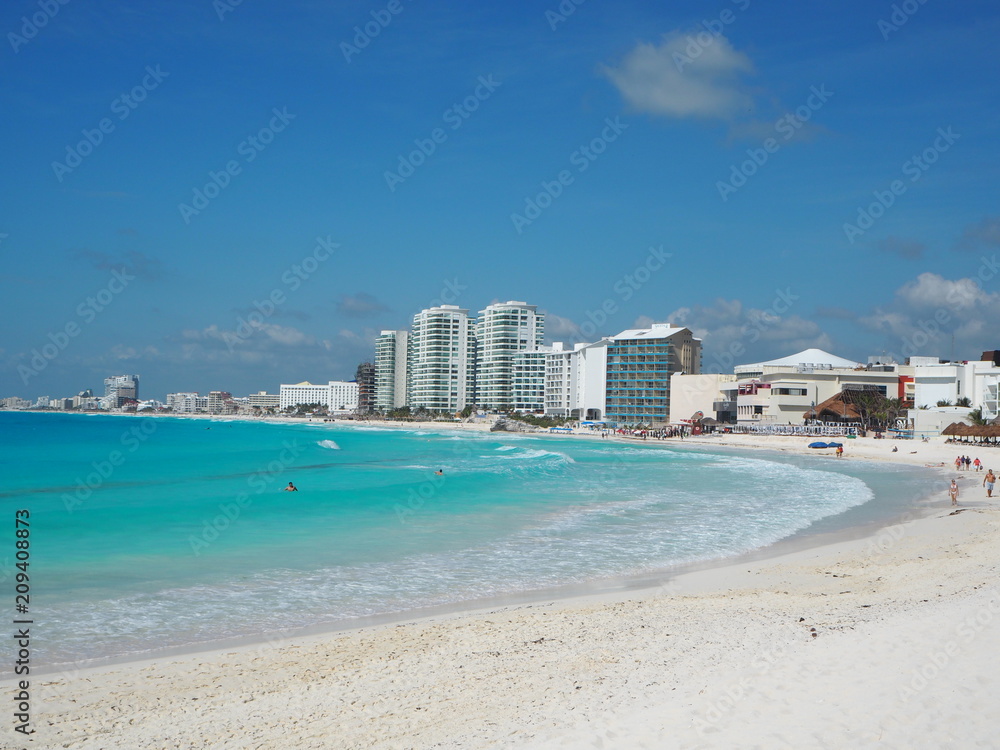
x: 537, y: 421
x: 976, y: 417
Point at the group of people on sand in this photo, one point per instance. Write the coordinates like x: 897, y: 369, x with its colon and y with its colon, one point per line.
x: 964, y: 463
x: 989, y: 482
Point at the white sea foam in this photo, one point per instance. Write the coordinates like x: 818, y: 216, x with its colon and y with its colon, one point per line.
x: 328, y: 444
x: 537, y: 453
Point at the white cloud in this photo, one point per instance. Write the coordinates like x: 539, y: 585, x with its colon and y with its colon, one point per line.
x: 666, y: 79
x: 730, y: 330
x: 935, y: 316
x: 558, y: 328
x: 929, y: 290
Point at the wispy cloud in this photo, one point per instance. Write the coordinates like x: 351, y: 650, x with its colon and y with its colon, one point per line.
x: 662, y: 80
x: 904, y: 248
x: 934, y: 315
x: 360, y: 305
x: 137, y: 263
x: 986, y: 233
x: 730, y: 326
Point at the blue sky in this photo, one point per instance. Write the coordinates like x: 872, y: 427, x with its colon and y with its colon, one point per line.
x: 737, y: 138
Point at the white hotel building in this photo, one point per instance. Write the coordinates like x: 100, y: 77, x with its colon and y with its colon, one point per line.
x: 442, y: 359
x: 575, y: 380
x: 390, y: 369
x: 503, y: 329
x: 336, y: 395
x: 187, y: 403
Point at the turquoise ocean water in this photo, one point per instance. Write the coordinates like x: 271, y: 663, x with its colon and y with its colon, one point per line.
x: 152, y: 533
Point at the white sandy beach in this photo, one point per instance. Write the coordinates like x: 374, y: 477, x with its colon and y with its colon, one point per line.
x: 888, y: 641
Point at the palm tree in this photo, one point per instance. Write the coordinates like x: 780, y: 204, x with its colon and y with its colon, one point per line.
x: 963, y: 401
x: 943, y: 402
x: 976, y: 417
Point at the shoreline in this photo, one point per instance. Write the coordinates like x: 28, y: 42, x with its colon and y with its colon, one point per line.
x: 769, y: 447
x: 560, y: 671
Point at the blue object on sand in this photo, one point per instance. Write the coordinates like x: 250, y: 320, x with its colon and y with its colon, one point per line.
x: 818, y: 445
x: 834, y: 445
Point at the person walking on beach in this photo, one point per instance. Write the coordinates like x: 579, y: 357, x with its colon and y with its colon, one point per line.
x: 978, y: 464
x: 958, y: 463
x: 840, y: 451
x: 988, y: 481
x: 953, y: 492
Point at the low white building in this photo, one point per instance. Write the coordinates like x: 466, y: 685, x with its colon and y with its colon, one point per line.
x: 336, y: 395
x: 575, y: 380
x: 187, y: 403
x: 263, y: 400
x: 935, y: 382
x: 343, y: 395
x: 781, y: 391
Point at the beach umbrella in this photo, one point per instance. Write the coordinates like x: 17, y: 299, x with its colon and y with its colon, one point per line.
x: 818, y: 445
x: 834, y: 445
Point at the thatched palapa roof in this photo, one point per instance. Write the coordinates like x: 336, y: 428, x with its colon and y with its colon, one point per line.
x: 841, y: 406
x: 961, y: 429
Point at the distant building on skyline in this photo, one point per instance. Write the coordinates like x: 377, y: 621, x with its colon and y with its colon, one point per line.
x: 442, y: 359
x: 187, y: 403
x: 119, y: 388
x: 502, y: 330
x: 336, y: 395
x: 391, y: 369
x: 365, y: 378
x: 263, y: 400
